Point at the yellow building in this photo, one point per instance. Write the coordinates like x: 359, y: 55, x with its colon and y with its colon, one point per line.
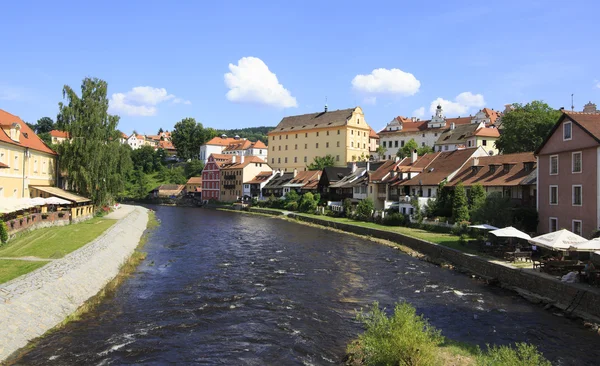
x: 233, y: 175
x: 24, y: 158
x: 297, y: 140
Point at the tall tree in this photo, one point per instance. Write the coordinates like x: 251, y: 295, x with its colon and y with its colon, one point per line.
x: 526, y: 126
x: 381, y: 152
x: 460, y: 206
x: 160, y: 130
x: 477, y: 197
x: 424, y: 150
x: 407, y: 149
x: 321, y: 162
x: 44, y: 125
x: 187, y: 137
x: 95, y: 161
x: 145, y: 159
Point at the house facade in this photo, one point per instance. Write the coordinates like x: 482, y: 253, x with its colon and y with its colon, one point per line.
x: 468, y: 136
x: 568, y: 167
x: 136, y: 141
x: 194, y: 185
x: 216, y: 145
x: 254, y: 187
x: 211, y: 176
x: 297, y: 140
x: 247, y: 148
x: 25, y: 160
x: 239, y: 170
x: 58, y: 137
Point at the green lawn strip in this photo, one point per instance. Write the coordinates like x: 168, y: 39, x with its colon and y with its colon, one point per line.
x: 10, y: 269
x: 55, y: 242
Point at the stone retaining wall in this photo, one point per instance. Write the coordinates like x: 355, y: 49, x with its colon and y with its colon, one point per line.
x: 542, y: 285
x: 35, y: 303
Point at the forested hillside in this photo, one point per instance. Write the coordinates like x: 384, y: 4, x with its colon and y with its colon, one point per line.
x: 251, y: 133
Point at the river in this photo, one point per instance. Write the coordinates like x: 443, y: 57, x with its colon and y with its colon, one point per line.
x: 237, y: 289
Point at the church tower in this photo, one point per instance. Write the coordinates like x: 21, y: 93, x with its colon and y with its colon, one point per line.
x: 438, y: 120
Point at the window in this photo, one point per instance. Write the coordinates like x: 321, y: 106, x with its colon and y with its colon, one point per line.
x: 259, y: 152
x: 306, y: 134
x: 280, y: 137
x: 384, y: 143
x: 16, y: 163
x: 286, y: 147
x: 337, y: 158
x: 35, y: 166
x: 553, y: 224
x: 327, y: 144
x: 285, y: 161
x: 435, y: 134
x: 317, y: 145
x: 554, y: 195
x: 286, y: 137
x: 278, y: 160
x: 396, y: 143
x: 577, y: 194
x: 446, y: 147
x: 296, y: 136
x: 484, y: 142
x: 423, y: 135
x: 317, y: 133
x: 428, y: 192
x: 338, y: 132
x: 358, y: 121
x: 567, y: 131
x: 401, y: 143
x: 305, y: 160
x: 351, y: 143
x: 295, y: 159
x: 576, y: 162
x: 553, y: 164
x: 279, y: 147
x: 576, y: 227
x: 364, y: 146
x: 327, y: 133
x: 44, y: 168
x: 338, y: 144
x: 352, y: 132
x: 305, y: 146
x: 469, y: 143
x: 296, y: 147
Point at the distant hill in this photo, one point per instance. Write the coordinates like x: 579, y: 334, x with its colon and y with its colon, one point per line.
x: 251, y: 133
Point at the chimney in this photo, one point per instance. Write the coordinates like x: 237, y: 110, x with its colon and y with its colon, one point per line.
x: 452, y: 126
x: 233, y: 159
x: 325, y: 108
x: 353, y: 167
x: 295, y: 172
x: 241, y: 158
x: 368, y: 166
x: 397, y: 159
x: 413, y: 156
x: 475, y: 161
x: 319, y: 176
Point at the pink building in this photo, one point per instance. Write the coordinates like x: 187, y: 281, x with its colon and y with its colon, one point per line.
x: 211, y: 176
x: 568, y: 175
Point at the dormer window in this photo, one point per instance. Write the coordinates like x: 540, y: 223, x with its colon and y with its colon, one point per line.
x: 475, y: 169
x: 567, y: 131
x: 492, y: 168
x: 528, y: 165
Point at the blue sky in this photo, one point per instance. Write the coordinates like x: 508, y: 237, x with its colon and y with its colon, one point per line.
x: 164, y: 61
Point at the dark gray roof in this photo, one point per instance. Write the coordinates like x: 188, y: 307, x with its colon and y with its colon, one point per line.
x: 349, y: 180
x: 458, y: 135
x: 279, y: 181
x: 531, y: 179
x: 314, y: 120
x: 334, y: 174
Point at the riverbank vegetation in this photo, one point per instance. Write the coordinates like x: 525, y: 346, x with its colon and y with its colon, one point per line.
x: 407, y: 339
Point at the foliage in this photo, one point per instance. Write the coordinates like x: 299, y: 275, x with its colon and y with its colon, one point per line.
x: 347, y: 204
x: 444, y: 201
x: 381, y: 152
x: 291, y: 206
x: 3, y: 232
x: 160, y: 130
x: 43, y: 125
x: 404, y: 338
x: 94, y: 159
x: 418, y: 213
x: 431, y: 207
x: 526, y: 218
x: 526, y: 126
x: 292, y: 196
x: 523, y: 355
x: 477, y: 198
x: 251, y: 133
x: 308, y: 203
x: 187, y: 137
x: 497, y: 210
x: 394, y: 219
x: 45, y: 136
x: 194, y: 168
x: 460, y: 207
x: 407, y: 149
x: 321, y: 162
x: 141, y: 184
x: 145, y: 159
x: 424, y: 150
x: 364, y: 209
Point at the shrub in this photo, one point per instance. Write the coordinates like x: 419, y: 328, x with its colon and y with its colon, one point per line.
x: 523, y: 355
x: 347, y: 204
x: 3, y: 232
x: 291, y: 206
x: 460, y: 208
x: 394, y: 219
x: 404, y: 338
x: 364, y: 210
x: 308, y: 203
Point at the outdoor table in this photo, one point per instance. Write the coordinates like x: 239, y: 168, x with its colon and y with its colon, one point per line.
x: 513, y: 256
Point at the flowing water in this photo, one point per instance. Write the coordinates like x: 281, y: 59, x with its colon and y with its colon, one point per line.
x: 236, y: 289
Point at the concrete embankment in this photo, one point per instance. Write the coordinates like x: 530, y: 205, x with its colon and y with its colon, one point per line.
x: 35, y: 303
x: 579, y: 299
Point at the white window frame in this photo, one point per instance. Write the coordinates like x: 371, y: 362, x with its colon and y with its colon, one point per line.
x: 550, y: 194
x: 557, y: 165
x: 550, y: 224
x: 573, y: 195
x: 573, y: 162
x: 580, y: 226
x: 570, y: 124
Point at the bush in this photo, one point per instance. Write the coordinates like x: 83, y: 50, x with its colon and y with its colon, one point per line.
x: 347, y: 204
x: 523, y: 355
x: 308, y: 203
x: 405, y: 338
x: 364, y: 210
x: 394, y: 219
x: 291, y: 206
x: 3, y: 232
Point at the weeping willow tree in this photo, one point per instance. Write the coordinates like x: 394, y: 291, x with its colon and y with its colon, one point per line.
x: 95, y: 161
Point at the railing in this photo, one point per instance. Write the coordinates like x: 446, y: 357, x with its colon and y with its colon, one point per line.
x: 229, y: 177
x: 229, y: 186
x: 381, y: 195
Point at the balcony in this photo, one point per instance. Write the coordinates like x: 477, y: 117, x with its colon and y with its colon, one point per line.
x: 229, y: 186
x: 229, y: 177
x: 381, y: 195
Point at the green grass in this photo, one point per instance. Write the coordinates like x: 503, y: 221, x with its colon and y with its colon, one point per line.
x: 10, y: 269
x: 55, y: 242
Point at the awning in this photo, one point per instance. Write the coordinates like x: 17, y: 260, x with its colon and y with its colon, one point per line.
x: 484, y: 227
x: 61, y: 193
x: 8, y: 205
x: 558, y: 240
x: 510, y: 232
x: 588, y: 246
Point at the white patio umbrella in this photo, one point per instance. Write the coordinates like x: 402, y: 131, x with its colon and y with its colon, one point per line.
x: 510, y: 232
x: 8, y: 205
x: 56, y: 201
x: 37, y: 201
x: 587, y: 246
x: 558, y: 240
x: 484, y: 227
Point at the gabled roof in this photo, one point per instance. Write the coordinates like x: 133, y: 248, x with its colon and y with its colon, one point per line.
x: 259, y: 178
x: 237, y: 165
x: 259, y: 145
x: 279, y: 180
x: 166, y: 145
x: 348, y: 180
x: 308, y: 179
x: 589, y: 122
x: 334, y: 174
x: 373, y: 134
x: 170, y: 188
x: 220, y: 159
x: 238, y: 145
x: 487, y: 132
x: 492, y: 115
x: 477, y: 170
x: 314, y: 120
x: 27, y: 139
x: 441, y: 167
x: 460, y: 133
x: 421, y: 126
x: 194, y: 180
x: 59, y: 134
x: 385, y: 169
x: 222, y: 141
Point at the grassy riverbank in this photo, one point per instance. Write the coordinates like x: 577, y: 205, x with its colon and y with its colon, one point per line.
x: 47, y: 243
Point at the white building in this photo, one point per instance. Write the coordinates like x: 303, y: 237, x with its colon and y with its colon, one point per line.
x: 136, y: 141
x: 233, y: 146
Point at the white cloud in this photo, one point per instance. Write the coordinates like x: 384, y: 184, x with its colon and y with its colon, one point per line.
x: 387, y: 81
x: 251, y: 81
x: 461, y: 105
x: 370, y: 100
x: 142, y: 101
x: 420, y: 112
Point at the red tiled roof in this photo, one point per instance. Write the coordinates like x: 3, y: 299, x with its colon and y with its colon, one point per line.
x: 441, y: 167
x: 222, y: 141
x: 238, y: 145
x: 166, y: 145
x: 487, y: 132
x: 237, y: 165
x: 260, y: 177
x: 384, y: 169
x: 306, y: 177
x: 59, y: 134
x: 484, y: 176
x: 422, y: 125
x: 259, y: 145
x: 491, y: 114
x: 28, y: 138
x: 194, y: 180
x: 373, y: 134
x: 221, y: 159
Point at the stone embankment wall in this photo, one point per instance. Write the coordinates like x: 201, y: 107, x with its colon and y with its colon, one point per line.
x: 584, y: 299
x: 35, y: 303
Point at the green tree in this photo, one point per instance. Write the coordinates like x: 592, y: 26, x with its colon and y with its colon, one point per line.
x: 477, y: 197
x: 424, y: 150
x: 418, y: 214
x: 3, y: 231
x: 45, y: 136
x: 194, y: 168
x: 460, y: 205
x: 407, y: 149
x: 44, y: 125
x: 308, y: 203
x: 364, y: 209
x: 141, y: 183
x: 187, y: 137
x: 444, y: 201
x: 347, y: 205
x: 497, y: 210
x: 94, y: 159
x: 526, y: 127
x: 145, y: 158
x: 321, y: 162
x: 160, y: 130
x: 381, y: 152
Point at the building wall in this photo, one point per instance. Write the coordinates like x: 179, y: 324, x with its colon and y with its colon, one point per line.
x: 296, y: 149
x: 39, y: 169
x: 423, y: 138
x: 206, y: 150
x: 211, y: 182
x: 565, y: 211
x: 241, y: 175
